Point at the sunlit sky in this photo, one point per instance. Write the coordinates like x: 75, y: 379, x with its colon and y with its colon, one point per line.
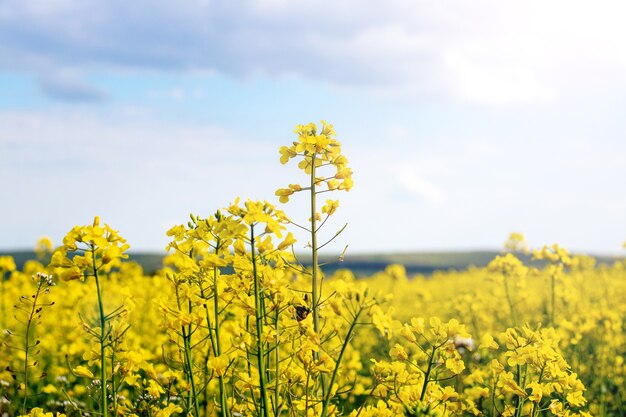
x: 462, y: 120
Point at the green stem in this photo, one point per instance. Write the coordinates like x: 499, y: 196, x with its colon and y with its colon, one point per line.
x: 216, y: 312
x: 277, y: 364
x: 362, y: 406
x: 188, y: 365
x: 249, y: 367
x: 536, y: 405
x: 493, y: 398
x: 218, y: 346
x: 27, y: 344
x: 113, y: 388
x: 316, y: 287
x: 306, y: 389
x: 338, y: 362
x: 259, y: 328
x: 519, y: 400
x: 214, y: 337
x: 431, y: 360
x: 209, y: 325
x: 103, y: 376
x: 211, y: 337
x: 314, y: 256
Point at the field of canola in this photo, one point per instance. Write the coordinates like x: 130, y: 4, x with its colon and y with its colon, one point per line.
x: 234, y: 325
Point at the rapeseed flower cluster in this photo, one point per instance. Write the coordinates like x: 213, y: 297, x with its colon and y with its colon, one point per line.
x: 317, y: 149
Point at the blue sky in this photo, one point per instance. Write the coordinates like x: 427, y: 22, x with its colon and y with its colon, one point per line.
x: 463, y: 121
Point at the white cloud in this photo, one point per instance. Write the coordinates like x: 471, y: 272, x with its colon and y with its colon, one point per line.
x: 67, y: 167
x: 67, y: 86
x: 475, y: 76
x: 414, y: 184
x: 480, y: 51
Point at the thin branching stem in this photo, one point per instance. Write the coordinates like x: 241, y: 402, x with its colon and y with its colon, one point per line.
x: 102, y: 339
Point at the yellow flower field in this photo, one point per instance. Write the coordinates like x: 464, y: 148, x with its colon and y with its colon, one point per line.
x: 234, y: 325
